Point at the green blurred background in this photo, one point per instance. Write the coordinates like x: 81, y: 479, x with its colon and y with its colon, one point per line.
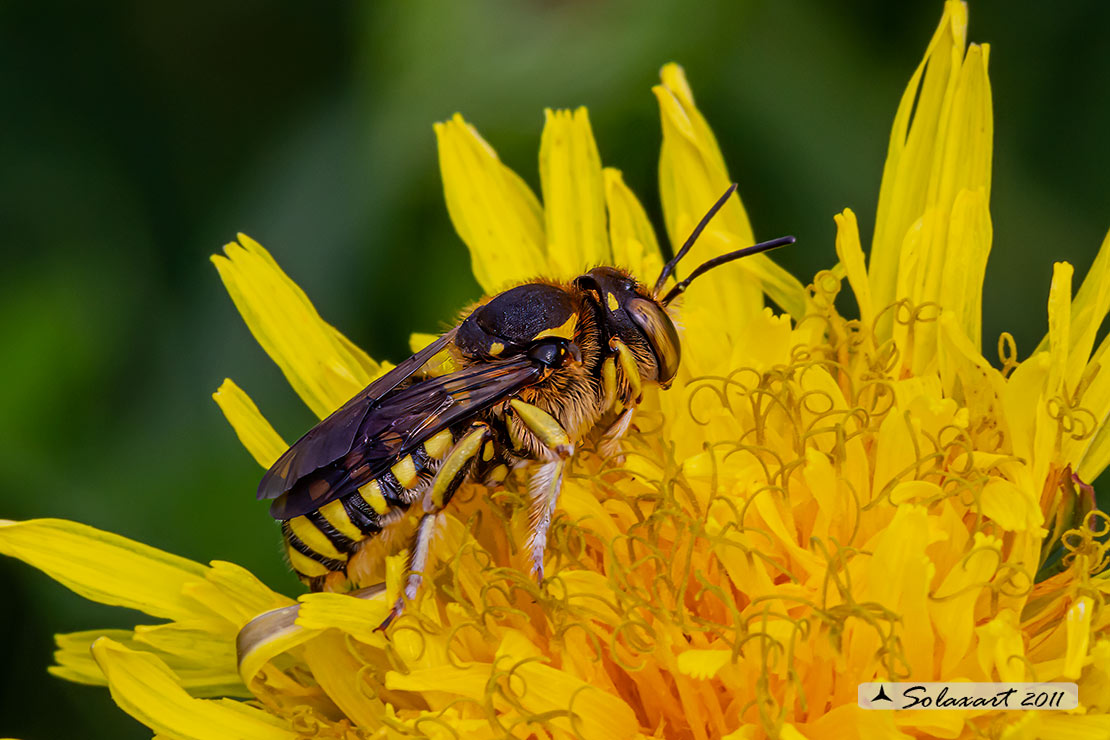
x: 139, y: 137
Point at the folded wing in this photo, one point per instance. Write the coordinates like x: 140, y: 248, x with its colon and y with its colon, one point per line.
x: 374, y: 430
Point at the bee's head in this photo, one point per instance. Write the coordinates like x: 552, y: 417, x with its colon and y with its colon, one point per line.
x: 634, y: 317
x: 639, y: 318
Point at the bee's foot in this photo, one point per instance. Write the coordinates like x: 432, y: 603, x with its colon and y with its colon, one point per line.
x: 397, y: 610
x: 537, y: 566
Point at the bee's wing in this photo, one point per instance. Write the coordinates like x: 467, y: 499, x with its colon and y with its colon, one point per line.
x: 395, y: 424
x: 334, y: 437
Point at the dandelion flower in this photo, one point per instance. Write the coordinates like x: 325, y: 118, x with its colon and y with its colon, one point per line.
x: 818, y: 500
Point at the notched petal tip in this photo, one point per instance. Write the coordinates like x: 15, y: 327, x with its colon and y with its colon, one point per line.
x: 692, y: 176
x: 955, y: 15
x: 322, y: 366
x: 493, y: 210
x: 573, y: 194
x: 256, y: 433
x: 674, y: 79
x: 631, y: 234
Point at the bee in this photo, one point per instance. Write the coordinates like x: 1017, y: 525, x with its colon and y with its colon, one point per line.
x: 535, y: 369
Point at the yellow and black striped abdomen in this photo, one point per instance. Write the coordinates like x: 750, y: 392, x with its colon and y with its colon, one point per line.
x: 322, y: 541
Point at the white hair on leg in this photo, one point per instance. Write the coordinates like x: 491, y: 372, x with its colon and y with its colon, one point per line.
x: 544, y: 487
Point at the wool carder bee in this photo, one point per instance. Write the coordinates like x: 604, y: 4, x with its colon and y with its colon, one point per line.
x: 534, y: 369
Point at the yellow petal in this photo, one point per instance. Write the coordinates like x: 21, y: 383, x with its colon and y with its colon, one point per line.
x: 203, y: 661
x: 703, y: 664
x: 692, y: 176
x: 945, y: 150
x: 493, y: 210
x: 851, y: 722
x: 1094, y: 451
x: 694, y: 152
x: 894, y: 454
x: 964, y: 162
x: 1011, y: 507
x: 1024, y: 404
x: 263, y: 443
x: 1097, y: 457
x: 965, y: 263
x: 1059, y: 325
x: 1087, y: 313
x: 1096, y: 684
x: 790, y: 732
x: 322, y: 366
x: 74, y: 660
x: 916, y: 492
x: 980, y: 384
x: 201, y: 649
x: 105, y: 567
x: 961, y: 164
x: 953, y: 606
x: 630, y: 232
x: 747, y: 732
x: 1070, y: 726
x: 588, y: 591
x: 573, y: 195
x: 850, y: 252
x: 581, y: 504
x: 144, y: 687
x: 1001, y: 648
x: 339, y: 673
x: 910, y: 151
x: 540, y: 688
x: 899, y: 578
x: 1079, y: 636
x: 469, y: 681
x: 1092, y: 301
x: 357, y: 617
x: 234, y: 593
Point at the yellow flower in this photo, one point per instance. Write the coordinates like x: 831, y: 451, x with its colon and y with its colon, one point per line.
x: 817, y: 502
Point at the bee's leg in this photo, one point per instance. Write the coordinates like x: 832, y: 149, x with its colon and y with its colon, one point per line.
x: 626, y: 405
x: 609, y: 383
x: 629, y: 367
x: 543, y: 488
x: 418, y: 560
x: 547, y: 479
x: 450, y: 475
x: 610, y: 445
x: 545, y: 427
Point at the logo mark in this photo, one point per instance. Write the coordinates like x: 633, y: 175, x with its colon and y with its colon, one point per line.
x: 881, y: 696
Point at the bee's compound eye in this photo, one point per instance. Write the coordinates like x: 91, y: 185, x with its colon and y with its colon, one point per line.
x: 660, y: 332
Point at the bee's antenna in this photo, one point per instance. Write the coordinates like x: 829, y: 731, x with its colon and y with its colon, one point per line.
x: 669, y: 267
x: 705, y: 267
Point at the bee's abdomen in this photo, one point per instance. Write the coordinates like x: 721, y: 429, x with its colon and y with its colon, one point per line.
x: 322, y: 541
